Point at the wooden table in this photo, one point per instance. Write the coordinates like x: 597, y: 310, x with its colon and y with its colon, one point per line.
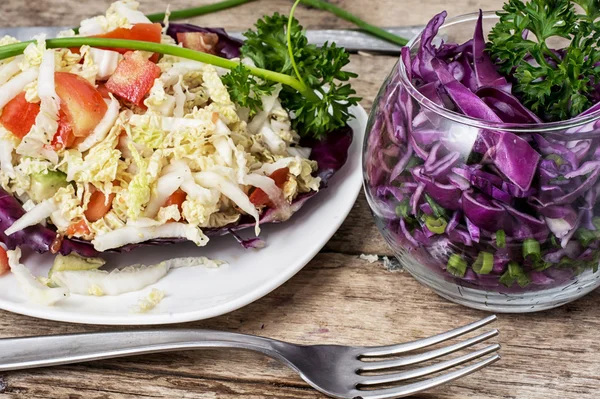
x: 337, y: 298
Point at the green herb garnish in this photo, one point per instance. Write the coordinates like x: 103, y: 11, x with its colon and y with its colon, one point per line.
x: 279, y: 44
x: 555, y: 85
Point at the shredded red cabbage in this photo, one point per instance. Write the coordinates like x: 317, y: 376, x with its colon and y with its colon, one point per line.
x: 492, y: 189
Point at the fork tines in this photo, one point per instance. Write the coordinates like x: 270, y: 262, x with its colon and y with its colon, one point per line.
x: 371, y: 361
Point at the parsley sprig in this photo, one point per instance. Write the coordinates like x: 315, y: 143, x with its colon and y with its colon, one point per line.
x: 556, y: 84
x: 278, y: 43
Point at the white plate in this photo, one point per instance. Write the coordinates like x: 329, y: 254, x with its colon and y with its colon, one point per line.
x: 198, y: 293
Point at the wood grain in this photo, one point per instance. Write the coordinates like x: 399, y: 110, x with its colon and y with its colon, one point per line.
x: 337, y: 298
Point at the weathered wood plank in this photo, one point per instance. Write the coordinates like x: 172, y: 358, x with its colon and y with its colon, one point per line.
x: 337, y: 298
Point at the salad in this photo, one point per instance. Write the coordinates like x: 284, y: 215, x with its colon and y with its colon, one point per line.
x: 104, y: 148
x: 467, y: 167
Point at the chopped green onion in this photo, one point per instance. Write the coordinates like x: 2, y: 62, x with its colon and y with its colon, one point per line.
x: 341, y: 13
x: 412, y: 162
x: 515, y: 269
x: 531, y: 248
x: 484, y: 263
x: 554, y: 242
x: 500, y: 239
x: 517, y: 274
x: 403, y: 209
x: 507, y: 279
x: 438, y: 211
x: 556, y: 158
x: 457, y: 266
x: 585, y: 236
x: 523, y: 281
x: 541, y: 265
x: 436, y: 225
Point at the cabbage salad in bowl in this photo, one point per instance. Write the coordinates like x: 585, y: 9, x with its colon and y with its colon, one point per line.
x: 483, y: 159
x: 125, y: 132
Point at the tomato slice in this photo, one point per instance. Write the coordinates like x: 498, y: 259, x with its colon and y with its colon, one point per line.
x: 98, y: 206
x: 80, y: 229
x: 133, y: 78
x: 103, y: 90
x: 260, y: 198
x: 142, y: 32
x: 177, y: 198
x: 18, y: 116
x: 199, y: 41
x: 63, y: 138
x: 4, y: 266
x: 81, y: 103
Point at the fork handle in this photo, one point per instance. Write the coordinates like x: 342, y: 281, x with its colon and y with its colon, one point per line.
x: 32, y: 352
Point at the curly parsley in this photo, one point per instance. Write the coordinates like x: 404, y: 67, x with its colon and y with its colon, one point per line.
x: 324, y: 104
x: 556, y: 84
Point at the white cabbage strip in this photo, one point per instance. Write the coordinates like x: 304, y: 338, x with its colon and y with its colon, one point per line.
x: 38, y: 214
x: 106, y: 61
x: 168, y: 124
x: 6, y: 160
x: 132, y: 16
x: 283, y: 209
x: 135, y: 235
x: 10, y: 69
x: 120, y: 281
x: 103, y: 127
x: 165, y: 187
x: 230, y: 190
x: 15, y: 86
x: 34, y: 290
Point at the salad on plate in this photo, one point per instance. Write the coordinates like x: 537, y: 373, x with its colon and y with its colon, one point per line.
x: 125, y: 132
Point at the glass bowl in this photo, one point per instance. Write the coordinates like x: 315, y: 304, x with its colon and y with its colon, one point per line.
x: 477, y: 239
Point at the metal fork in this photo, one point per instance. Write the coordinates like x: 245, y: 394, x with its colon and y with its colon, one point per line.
x: 337, y: 371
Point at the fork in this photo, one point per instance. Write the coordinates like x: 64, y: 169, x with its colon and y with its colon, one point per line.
x: 337, y: 371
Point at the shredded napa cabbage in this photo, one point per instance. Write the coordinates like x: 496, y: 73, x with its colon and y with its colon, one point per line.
x: 32, y: 287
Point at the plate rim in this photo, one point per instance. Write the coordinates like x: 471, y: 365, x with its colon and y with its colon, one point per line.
x: 166, y: 318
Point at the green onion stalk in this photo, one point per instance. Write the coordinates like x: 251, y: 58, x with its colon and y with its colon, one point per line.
x: 197, y: 11
x: 15, y: 49
x: 343, y: 14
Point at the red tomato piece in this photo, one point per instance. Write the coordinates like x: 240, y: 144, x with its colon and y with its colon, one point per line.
x: 142, y: 32
x: 133, y: 78
x: 259, y: 197
x: 103, y: 90
x: 81, y: 103
x: 98, y: 206
x: 4, y: 267
x: 81, y: 229
x: 63, y: 138
x: 177, y: 198
x: 18, y: 116
x: 199, y: 41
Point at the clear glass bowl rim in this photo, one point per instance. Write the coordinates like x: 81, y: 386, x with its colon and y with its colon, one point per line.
x: 480, y: 123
